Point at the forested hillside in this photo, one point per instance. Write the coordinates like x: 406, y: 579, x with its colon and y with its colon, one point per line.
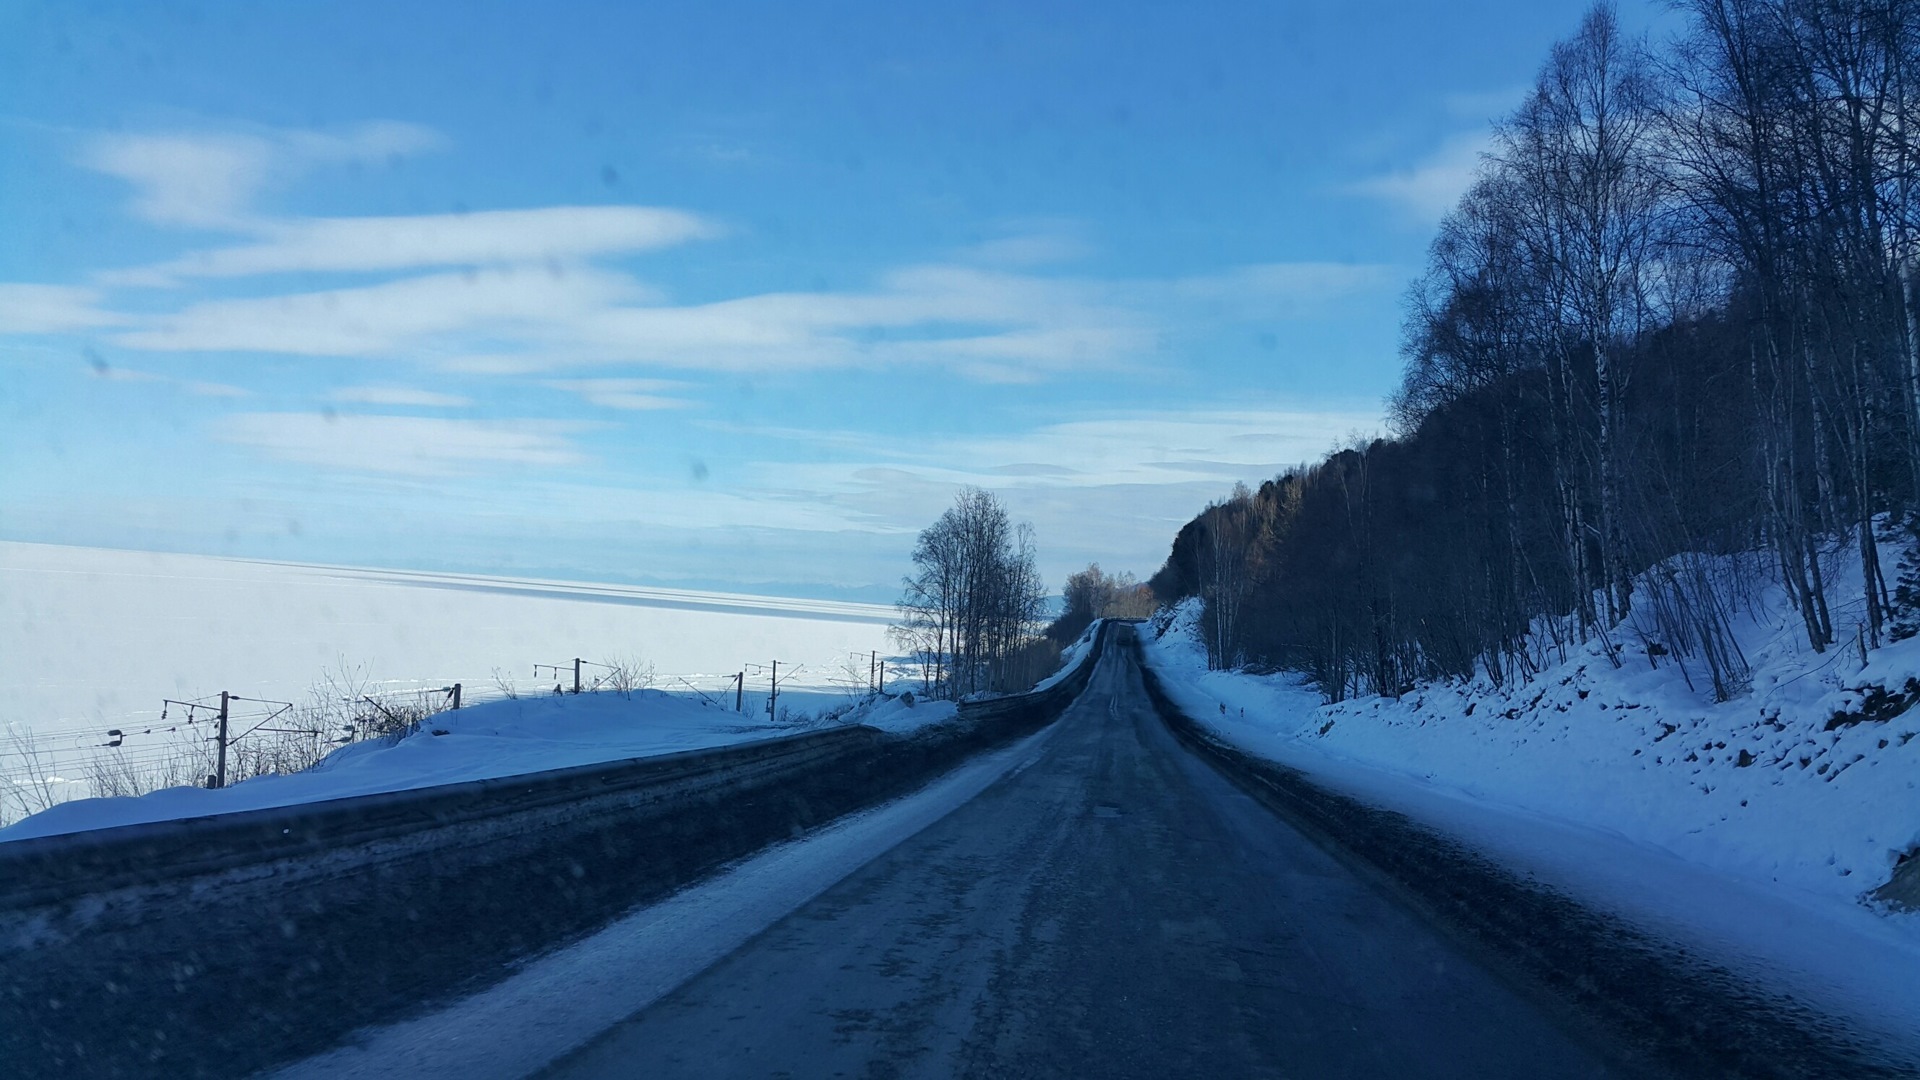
x: 1665, y: 356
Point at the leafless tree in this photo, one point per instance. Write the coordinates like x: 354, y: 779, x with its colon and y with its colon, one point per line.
x: 975, y: 599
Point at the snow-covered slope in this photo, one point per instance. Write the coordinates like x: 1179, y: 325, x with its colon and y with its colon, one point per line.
x: 1757, y: 786
x: 498, y: 738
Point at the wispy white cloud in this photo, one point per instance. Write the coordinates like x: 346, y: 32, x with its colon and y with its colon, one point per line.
x: 1184, y: 456
x: 390, y: 318
x: 195, y: 180
x: 53, y: 309
x: 1113, y: 487
x: 398, y: 395
x: 1119, y: 448
x: 210, y: 179
x: 530, y: 295
x: 637, y: 395
x: 1429, y: 188
x: 988, y: 324
x: 482, y: 238
x: 959, y: 317
x: 408, y: 446
x: 197, y: 387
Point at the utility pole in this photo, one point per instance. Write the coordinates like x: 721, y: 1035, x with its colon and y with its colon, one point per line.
x: 456, y: 695
x: 220, y: 770
x: 576, y: 674
x: 873, y: 665
x: 740, y: 691
x: 773, y: 699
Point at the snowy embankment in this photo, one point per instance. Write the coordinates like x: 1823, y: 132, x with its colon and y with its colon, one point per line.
x: 1745, y: 829
x: 499, y: 738
x: 1070, y: 656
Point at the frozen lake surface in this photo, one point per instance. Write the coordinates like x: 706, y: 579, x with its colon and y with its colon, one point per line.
x: 93, y: 639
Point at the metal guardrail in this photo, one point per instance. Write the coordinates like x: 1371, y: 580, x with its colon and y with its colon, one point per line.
x: 1055, y: 697
x: 41, y: 870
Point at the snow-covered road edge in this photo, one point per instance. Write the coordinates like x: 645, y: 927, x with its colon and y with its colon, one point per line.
x: 1836, y: 956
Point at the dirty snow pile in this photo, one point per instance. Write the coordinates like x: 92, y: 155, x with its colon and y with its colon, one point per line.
x: 497, y: 738
x: 901, y: 714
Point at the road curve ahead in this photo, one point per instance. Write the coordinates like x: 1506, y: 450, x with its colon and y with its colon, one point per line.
x: 1117, y: 908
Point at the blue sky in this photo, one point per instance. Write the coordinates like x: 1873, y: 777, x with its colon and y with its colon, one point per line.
x: 726, y: 295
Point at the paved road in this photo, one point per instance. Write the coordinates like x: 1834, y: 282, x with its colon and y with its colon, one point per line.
x: 1117, y: 908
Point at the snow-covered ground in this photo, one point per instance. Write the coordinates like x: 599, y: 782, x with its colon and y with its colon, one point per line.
x: 91, y: 640
x: 1742, y: 828
x: 498, y: 738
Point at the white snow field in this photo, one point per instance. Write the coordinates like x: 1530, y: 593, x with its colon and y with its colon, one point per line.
x: 92, y: 640
x: 1742, y: 830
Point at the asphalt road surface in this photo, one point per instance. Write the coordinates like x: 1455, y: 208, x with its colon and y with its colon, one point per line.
x: 1117, y: 908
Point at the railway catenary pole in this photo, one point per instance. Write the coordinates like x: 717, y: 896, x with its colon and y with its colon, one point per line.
x: 220, y: 766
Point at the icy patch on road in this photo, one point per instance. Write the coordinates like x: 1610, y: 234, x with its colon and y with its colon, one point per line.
x: 559, y: 1002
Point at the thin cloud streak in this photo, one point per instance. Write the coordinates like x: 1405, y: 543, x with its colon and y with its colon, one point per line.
x: 989, y: 325
x: 407, y: 446
x: 481, y: 238
x: 633, y: 395
x: 386, y: 319
x: 399, y: 396
x: 53, y: 309
x: 197, y: 387
x: 1431, y: 187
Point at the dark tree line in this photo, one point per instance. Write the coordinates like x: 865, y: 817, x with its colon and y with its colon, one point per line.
x: 1666, y: 350
x: 1093, y: 594
x: 972, y: 610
